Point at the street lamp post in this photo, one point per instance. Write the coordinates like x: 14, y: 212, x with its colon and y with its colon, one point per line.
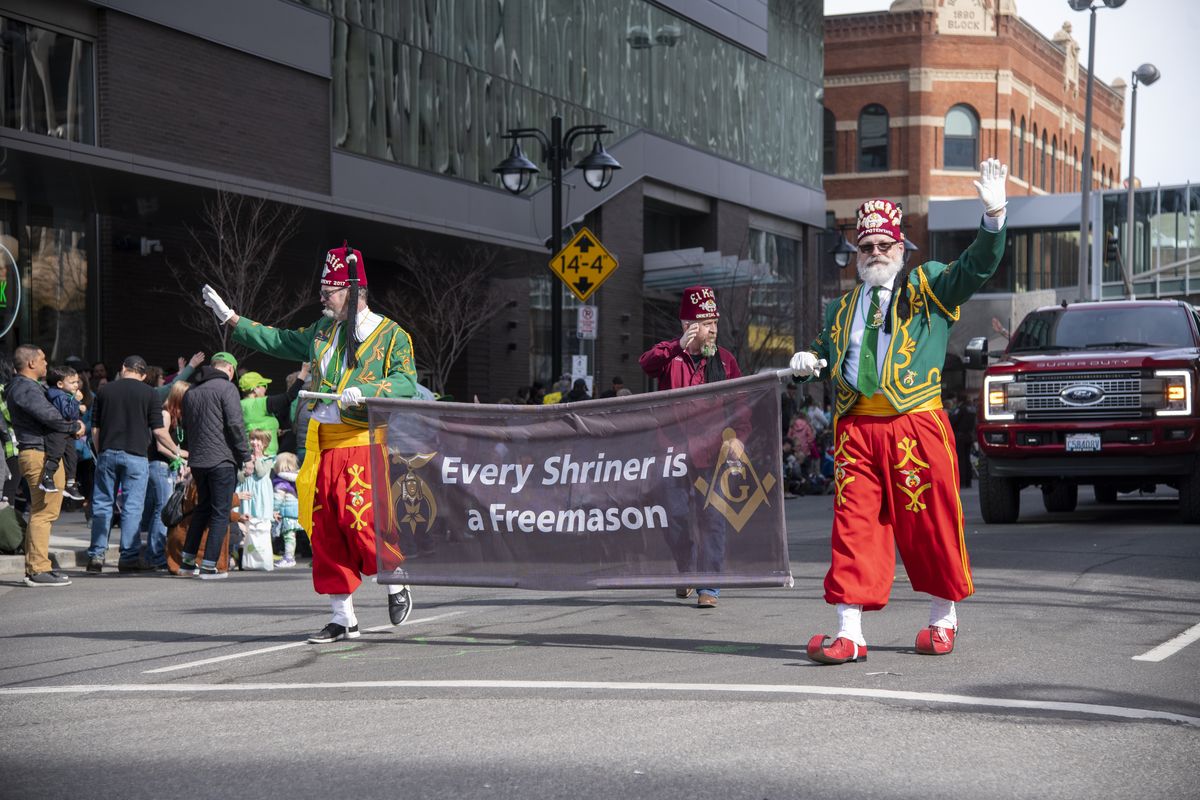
x: 1147, y: 74
x: 516, y: 173
x: 1085, y: 166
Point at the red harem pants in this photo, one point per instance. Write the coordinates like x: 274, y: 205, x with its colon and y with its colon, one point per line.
x: 343, y: 520
x: 896, y: 486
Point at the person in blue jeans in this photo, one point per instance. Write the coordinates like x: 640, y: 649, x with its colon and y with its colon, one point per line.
x: 127, y: 414
x: 165, y: 464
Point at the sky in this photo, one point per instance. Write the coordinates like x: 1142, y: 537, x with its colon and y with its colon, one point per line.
x: 1162, y: 32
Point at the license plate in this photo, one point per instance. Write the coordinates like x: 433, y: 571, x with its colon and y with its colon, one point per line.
x: 1083, y: 442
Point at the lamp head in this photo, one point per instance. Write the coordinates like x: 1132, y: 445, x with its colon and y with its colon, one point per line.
x: 516, y: 172
x: 598, y: 166
x: 842, y: 252
x: 1080, y: 5
x: 638, y: 37
x: 1146, y: 74
x: 1114, y: 3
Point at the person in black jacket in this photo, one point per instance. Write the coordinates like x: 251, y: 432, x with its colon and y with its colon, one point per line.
x: 217, y: 449
x: 33, y: 416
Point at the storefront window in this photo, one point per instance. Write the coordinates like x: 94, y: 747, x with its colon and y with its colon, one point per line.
x: 46, y: 82
x: 56, y: 289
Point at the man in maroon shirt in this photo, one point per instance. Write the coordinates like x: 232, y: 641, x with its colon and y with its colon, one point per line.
x: 693, y: 359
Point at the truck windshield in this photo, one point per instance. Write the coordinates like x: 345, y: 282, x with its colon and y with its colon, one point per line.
x: 1079, y: 328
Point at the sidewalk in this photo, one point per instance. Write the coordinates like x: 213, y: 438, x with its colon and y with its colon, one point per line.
x: 69, y: 540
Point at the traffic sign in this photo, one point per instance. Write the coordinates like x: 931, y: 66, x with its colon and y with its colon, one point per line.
x: 586, y: 322
x: 583, y: 264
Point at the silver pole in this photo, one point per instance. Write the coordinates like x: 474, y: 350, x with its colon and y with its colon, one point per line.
x: 1127, y: 271
x: 1085, y: 169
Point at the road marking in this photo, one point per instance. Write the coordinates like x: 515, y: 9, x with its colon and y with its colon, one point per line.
x: 1171, y: 647
x: 1003, y: 703
x: 289, y: 645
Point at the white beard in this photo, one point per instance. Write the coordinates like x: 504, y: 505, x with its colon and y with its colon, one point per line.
x: 328, y: 312
x: 880, y: 271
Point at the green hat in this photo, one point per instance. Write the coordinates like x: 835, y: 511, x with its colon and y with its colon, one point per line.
x: 252, y: 380
x: 226, y: 357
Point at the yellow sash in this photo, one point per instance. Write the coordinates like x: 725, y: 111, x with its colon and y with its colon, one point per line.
x: 322, y: 436
x: 878, y: 406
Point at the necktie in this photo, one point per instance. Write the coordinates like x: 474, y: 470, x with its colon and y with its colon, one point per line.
x: 337, y: 362
x: 868, y: 370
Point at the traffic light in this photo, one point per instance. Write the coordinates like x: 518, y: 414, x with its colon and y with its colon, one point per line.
x: 1112, y: 250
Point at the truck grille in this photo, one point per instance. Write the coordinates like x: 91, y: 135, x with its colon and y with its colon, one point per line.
x: 1121, y: 398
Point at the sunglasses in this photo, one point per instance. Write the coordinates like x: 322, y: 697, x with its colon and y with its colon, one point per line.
x: 878, y: 247
x: 328, y: 293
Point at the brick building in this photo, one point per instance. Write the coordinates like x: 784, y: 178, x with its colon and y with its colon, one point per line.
x: 917, y: 95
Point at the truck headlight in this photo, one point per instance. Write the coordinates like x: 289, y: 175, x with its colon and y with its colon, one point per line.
x: 995, y: 397
x: 1177, y: 392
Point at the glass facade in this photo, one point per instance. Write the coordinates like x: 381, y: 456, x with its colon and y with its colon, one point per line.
x: 434, y: 85
x: 46, y: 82
x: 1032, y: 260
x: 1166, y: 236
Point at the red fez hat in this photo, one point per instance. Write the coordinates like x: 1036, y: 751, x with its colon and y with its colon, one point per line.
x: 337, y: 273
x: 698, y: 303
x: 880, y: 217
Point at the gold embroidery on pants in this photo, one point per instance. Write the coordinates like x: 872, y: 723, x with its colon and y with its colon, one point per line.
x: 840, y: 479
x: 912, y: 485
x: 359, y: 491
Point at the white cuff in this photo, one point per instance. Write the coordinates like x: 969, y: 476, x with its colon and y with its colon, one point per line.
x: 994, y: 224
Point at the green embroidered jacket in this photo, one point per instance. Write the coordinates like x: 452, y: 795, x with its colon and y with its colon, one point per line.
x: 385, y: 359
x: 912, y: 366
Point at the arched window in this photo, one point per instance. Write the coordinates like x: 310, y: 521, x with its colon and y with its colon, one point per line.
x: 1076, y: 171
x: 1091, y: 176
x: 1042, y: 169
x: 1012, y: 140
x: 1054, y: 164
x: 961, y: 138
x: 1021, y: 152
x: 1033, y: 159
x: 873, y: 139
x: 829, y: 144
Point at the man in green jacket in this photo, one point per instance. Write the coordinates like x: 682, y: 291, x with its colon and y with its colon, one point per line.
x: 334, y: 486
x: 895, y: 471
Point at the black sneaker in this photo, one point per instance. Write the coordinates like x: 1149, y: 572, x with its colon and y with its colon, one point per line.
x: 187, y: 569
x: 133, y: 566
x: 399, y: 605
x: 47, y: 486
x: 48, y: 578
x: 95, y: 565
x: 71, y: 492
x: 211, y: 574
x: 334, y: 632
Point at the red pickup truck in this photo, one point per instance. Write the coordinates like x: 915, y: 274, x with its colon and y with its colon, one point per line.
x: 1100, y: 394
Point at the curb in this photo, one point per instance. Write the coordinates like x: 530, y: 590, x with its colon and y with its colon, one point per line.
x: 63, y: 558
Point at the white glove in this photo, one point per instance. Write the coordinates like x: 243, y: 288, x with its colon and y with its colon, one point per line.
x: 805, y: 364
x: 352, y: 396
x: 214, y: 301
x: 991, y: 185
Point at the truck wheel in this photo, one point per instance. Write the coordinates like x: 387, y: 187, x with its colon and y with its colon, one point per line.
x: 999, y: 498
x: 1189, y: 498
x: 1060, y: 496
x: 1105, y: 494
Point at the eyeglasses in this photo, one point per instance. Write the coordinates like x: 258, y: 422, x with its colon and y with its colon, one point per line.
x: 328, y: 293
x: 878, y: 247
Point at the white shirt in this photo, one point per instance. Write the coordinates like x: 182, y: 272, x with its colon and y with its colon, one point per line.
x: 366, y: 323
x: 858, y: 327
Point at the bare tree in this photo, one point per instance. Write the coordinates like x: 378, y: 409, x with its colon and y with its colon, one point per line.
x: 234, y: 250
x: 761, y: 311
x: 444, y: 300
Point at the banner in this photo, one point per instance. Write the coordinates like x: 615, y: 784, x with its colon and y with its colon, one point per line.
x: 668, y: 489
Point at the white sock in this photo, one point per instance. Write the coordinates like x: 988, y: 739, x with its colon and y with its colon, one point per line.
x: 942, y: 613
x: 850, y: 623
x: 343, y: 609
x: 395, y: 588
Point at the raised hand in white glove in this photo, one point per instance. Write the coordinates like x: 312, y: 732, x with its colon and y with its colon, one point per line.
x: 213, y: 300
x: 806, y: 363
x: 352, y: 396
x: 991, y: 186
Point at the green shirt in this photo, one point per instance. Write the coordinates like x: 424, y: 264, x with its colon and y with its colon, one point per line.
x: 912, y: 366
x: 385, y: 359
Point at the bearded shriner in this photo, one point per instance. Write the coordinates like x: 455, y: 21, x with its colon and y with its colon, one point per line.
x: 334, y: 485
x: 895, y: 471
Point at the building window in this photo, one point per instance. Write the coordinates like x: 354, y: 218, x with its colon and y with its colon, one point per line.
x: 1042, y: 169
x: 873, y: 139
x: 1012, y: 140
x: 829, y: 144
x: 1075, y: 171
x: 46, y: 82
x: 961, y: 138
x: 1053, y: 163
x: 1021, y: 152
x: 1033, y: 159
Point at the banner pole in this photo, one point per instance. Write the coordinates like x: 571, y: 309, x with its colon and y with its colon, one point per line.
x: 307, y: 395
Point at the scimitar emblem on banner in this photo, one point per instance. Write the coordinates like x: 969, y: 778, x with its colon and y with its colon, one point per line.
x: 736, y: 490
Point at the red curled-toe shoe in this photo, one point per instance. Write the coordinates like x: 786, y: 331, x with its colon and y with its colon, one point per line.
x: 935, y: 641
x: 840, y: 652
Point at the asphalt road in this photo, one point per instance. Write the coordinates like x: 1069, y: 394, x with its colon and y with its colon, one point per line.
x: 508, y: 694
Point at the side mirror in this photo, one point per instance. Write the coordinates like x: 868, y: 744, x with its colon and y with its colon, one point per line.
x: 976, y: 353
